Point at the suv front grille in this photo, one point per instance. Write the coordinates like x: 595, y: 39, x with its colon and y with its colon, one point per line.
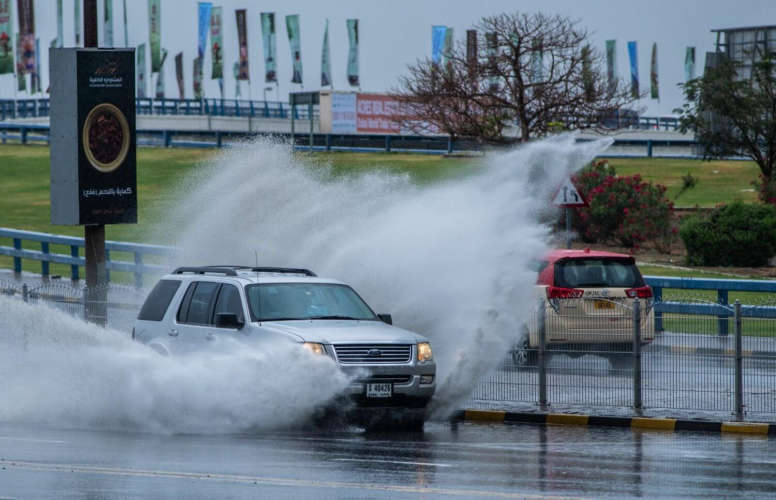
x: 376, y: 379
x: 373, y: 353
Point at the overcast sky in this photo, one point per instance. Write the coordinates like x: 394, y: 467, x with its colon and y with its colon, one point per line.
x: 395, y: 33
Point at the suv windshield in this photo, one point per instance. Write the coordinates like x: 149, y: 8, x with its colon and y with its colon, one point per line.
x: 291, y: 301
x: 593, y: 272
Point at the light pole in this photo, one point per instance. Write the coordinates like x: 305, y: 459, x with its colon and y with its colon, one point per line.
x: 266, y: 105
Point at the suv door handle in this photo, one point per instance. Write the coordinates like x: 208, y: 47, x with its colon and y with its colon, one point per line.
x: 173, y: 332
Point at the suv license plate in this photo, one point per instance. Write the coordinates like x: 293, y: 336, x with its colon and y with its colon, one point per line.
x: 379, y: 390
x: 604, y: 304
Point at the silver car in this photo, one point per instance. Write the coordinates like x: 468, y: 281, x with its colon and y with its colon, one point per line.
x: 390, y: 368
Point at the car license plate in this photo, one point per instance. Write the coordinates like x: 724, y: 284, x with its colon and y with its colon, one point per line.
x: 603, y: 304
x: 384, y: 390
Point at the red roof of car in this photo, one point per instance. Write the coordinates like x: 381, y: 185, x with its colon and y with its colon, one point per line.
x: 558, y: 253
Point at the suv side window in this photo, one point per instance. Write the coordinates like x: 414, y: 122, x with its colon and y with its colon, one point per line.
x: 229, y: 301
x: 158, y: 300
x: 197, y: 305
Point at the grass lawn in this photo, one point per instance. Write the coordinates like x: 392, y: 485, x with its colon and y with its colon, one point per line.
x: 718, y: 181
x: 25, y: 183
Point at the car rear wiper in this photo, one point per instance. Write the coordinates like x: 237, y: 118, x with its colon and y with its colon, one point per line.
x: 334, y: 317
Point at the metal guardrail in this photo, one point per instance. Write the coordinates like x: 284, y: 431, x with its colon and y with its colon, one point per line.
x: 34, y: 108
x: 46, y: 256
x: 721, y: 308
x: 29, y: 133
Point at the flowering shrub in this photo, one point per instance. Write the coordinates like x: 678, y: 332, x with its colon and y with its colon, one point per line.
x: 738, y: 234
x: 766, y: 190
x: 626, y: 209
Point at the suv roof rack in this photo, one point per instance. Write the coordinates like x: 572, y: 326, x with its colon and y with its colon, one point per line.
x: 228, y: 271
x: 231, y: 270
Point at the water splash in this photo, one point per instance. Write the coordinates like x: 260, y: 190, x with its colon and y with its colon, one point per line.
x: 450, y: 260
x: 60, y: 371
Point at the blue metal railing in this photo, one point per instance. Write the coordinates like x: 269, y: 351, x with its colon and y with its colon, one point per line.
x: 721, y: 309
x: 33, y: 108
x: 137, y: 266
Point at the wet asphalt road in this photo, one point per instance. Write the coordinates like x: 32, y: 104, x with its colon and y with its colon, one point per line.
x: 465, y: 460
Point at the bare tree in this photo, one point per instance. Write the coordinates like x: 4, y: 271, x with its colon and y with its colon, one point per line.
x: 535, y: 72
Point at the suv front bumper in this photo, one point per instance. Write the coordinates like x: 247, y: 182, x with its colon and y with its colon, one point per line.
x: 405, y: 379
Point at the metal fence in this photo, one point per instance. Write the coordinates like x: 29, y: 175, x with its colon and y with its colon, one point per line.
x: 114, y: 305
x: 605, y: 355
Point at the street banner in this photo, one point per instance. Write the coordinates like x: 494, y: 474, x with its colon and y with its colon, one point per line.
x: 537, y: 62
x: 438, y: 33
x: 140, y: 71
x: 126, y: 32
x: 159, y: 91
x: 491, y: 40
x: 447, y: 50
x: 179, y: 74
x: 155, y: 34
x: 242, y: 42
x: 353, y: 71
x: 588, y: 80
x: 6, y: 43
x: 634, y: 69
x: 653, y: 80
x: 472, y: 58
x: 60, y: 25
x: 196, y: 78
x: 236, y: 69
x: 325, y: 58
x: 611, y: 63
x: 26, y: 21
x: 689, y: 64
x: 35, y: 82
x: 203, y: 27
x: 216, y: 44
x: 295, y: 41
x: 269, y: 41
x: 107, y: 26
x: 21, y: 78
x: 77, y: 21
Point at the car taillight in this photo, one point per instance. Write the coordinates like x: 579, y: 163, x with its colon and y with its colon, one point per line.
x: 555, y: 292
x: 642, y: 292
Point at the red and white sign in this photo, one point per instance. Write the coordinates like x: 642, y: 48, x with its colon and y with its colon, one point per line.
x: 374, y: 112
x: 568, y: 195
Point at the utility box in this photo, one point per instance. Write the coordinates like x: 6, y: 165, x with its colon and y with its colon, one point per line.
x: 92, y: 136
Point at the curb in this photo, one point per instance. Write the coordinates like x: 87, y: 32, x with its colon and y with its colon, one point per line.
x: 648, y: 423
x: 710, y: 351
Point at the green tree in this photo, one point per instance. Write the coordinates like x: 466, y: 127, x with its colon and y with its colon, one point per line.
x: 732, y: 110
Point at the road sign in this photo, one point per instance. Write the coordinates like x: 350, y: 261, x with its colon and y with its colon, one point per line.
x: 568, y: 195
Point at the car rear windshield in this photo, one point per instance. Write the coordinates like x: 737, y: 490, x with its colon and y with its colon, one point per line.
x: 589, y: 273
x: 293, y: 301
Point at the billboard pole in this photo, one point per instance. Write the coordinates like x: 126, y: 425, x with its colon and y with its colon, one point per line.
x: 94, y: 234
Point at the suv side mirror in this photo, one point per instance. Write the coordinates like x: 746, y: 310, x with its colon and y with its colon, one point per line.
x: 385, y: 318
x: 228, y: 320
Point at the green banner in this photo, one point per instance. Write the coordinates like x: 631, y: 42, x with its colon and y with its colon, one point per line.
x: 6, y: 44
x: 447, y: 47
x: 353, y: 76
x: 216, y: 44
x: 295, y: 41
x: 140, y: 71
x: 653, y: 80
x: 611, y: 63
x: 155, y: 34
x: 236, y: 70
x: 689, y: 64
x: 126, y: 33
x: 179, y: 75
x: 77, y: 22
x: 269, y: 40
x: 107, y: 25
x: 325, y: 58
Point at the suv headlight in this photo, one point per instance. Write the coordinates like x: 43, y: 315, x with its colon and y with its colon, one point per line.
x: 314, y: 348
x: 424, y: 352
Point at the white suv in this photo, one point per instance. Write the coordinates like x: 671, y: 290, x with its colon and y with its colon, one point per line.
x: 192, y: 306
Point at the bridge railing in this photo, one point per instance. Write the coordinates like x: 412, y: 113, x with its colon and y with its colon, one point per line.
x: 19, y: 251
x: 721, y: 308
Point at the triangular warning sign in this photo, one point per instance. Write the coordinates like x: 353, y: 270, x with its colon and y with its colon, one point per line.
x: 568, y: 195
